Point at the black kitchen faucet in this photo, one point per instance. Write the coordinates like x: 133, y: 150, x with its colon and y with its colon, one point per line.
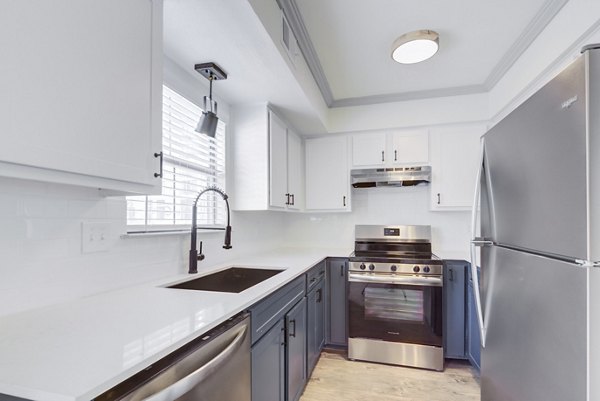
x: 194, y: 255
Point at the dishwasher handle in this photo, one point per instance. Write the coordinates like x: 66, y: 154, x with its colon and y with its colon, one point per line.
x: 190, y: 381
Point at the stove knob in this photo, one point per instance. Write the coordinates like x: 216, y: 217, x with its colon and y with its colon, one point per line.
x: 394, y: 268
x: 426, y: 269
x: 362, y: 266
x: 371, y: 266
x: 416, y: 269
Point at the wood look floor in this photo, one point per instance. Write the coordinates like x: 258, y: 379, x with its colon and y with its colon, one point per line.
x: 337, y: 379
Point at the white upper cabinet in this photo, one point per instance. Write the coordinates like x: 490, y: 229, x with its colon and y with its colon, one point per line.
x: 454, y: 164
x: 267, y: 161
x: 369, y: 149
x: 80, y: 92
x: 327, y: 174
x: 398, y: 148
x: 295, y: 179
x: 278, y: 193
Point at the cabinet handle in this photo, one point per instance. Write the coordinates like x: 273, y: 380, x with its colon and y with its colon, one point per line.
x: 160, y: 174
x: 293, y: 201
x: 342, y: 270
x: 395, y: 155
x: 292, y: 334
x: 382, y: 155
x: 344, y: 200
x: 451, y: 274
x: 319, y: 295
x: 287, y: 202
x: 439, y: 200
x: 312, y: 280
x: 284, y: 337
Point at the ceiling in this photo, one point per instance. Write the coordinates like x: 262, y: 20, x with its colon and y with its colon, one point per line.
x: 347, y: 46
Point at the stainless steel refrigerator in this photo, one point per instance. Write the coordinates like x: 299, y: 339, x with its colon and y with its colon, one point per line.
x: 539, y: 242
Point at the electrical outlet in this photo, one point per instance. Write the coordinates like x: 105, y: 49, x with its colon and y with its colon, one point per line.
x: 94, y: 237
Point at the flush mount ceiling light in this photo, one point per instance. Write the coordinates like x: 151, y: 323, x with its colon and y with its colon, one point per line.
x: 209, y: 120
x: 416, y: 46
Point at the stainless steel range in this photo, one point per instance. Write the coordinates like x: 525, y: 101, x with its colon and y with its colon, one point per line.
x: 395, y: 297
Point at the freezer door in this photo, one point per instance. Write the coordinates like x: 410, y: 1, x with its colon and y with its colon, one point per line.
x: 536, y: 159
x: 535, y: 314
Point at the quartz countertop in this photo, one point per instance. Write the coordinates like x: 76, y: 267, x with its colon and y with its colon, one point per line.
x: 76, y: 350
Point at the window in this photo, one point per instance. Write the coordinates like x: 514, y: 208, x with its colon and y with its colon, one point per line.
x: 191, y: 162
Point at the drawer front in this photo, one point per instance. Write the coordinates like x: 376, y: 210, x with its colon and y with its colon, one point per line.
x: 268, y: 311
x: 314, y: 275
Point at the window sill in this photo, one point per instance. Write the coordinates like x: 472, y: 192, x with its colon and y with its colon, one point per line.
x: 158, y: 233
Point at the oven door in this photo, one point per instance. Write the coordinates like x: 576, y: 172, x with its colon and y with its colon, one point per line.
x: 395, y: 309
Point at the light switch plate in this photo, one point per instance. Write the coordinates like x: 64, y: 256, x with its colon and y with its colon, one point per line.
x: 94, y: 237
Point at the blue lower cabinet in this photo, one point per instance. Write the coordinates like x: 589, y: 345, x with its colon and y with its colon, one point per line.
x: 316, y: 324
x: 455, y: 288
x: 296, y: 350
x: 268, y: 365
x: 473, y: 334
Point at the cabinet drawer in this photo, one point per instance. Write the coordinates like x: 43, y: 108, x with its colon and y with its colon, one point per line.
x: 314, y: 275
x: 268, y: 311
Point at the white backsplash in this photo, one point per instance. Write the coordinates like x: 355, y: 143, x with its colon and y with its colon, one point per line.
x: 41, y: 258
x: 385, y: 205
x: 41, y: 261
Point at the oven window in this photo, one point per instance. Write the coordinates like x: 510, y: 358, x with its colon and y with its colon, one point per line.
x: 394, y: 303
x: 396, y: 313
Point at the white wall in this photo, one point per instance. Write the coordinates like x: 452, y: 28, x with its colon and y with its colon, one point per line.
x: 392, y: 205
x: 41, y: 261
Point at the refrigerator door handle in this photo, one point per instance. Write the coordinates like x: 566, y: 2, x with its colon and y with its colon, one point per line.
x: 475, y: 241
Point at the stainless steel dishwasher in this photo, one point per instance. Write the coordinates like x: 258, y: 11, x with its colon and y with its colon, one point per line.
x: 213, y: 367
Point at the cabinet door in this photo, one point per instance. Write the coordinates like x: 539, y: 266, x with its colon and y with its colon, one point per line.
x: 268, y: 365
x: 277, y: 162
x: 454, y: 309
x: 455, y: 159
x: 336, y: 279
x: 369, y: 150
x: 296, y: 350
x: 409, y: 147
x: 315, y: 317
x: 80, y: 88
x: 295, y: 178
x: 327, y: 174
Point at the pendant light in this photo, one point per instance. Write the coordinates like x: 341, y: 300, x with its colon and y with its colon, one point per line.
x: 414, y: 47
x: 209, y: 120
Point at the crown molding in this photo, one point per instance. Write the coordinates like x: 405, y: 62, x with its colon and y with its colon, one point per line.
x: 291, y: 12
x: 400, y: 97
x: 529, y: 34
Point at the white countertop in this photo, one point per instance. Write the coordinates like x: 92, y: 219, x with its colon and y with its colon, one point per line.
x: 77, y: 350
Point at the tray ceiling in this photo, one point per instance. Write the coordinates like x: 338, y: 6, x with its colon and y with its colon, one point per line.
x: 347, y: 44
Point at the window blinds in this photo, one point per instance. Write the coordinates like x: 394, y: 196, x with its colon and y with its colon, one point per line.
x: 191, y: 162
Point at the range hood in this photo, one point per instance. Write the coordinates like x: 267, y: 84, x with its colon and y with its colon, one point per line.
x: 393, y: 176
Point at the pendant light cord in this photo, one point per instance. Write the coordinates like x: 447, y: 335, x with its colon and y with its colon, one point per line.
x: 210, y: 80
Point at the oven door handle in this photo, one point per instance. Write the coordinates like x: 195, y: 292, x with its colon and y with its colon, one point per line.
x: 405, y: 280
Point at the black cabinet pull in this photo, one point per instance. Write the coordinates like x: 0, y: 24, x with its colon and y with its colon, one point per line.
x: 395, y: 155
x: 451, y: 274
x: 160, y: 174
x: 293, y: 201
x: 284, y: 337
x: 287, y: 202
x: 439, y: 200
x: 342, y: 270
x: 292, y: 334
x: 319, y: 295
x: 312, y: 280
x: 382, y: 156
x: 344, y: 200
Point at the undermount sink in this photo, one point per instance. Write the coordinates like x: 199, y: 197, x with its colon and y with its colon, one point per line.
x: 233, y: 279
